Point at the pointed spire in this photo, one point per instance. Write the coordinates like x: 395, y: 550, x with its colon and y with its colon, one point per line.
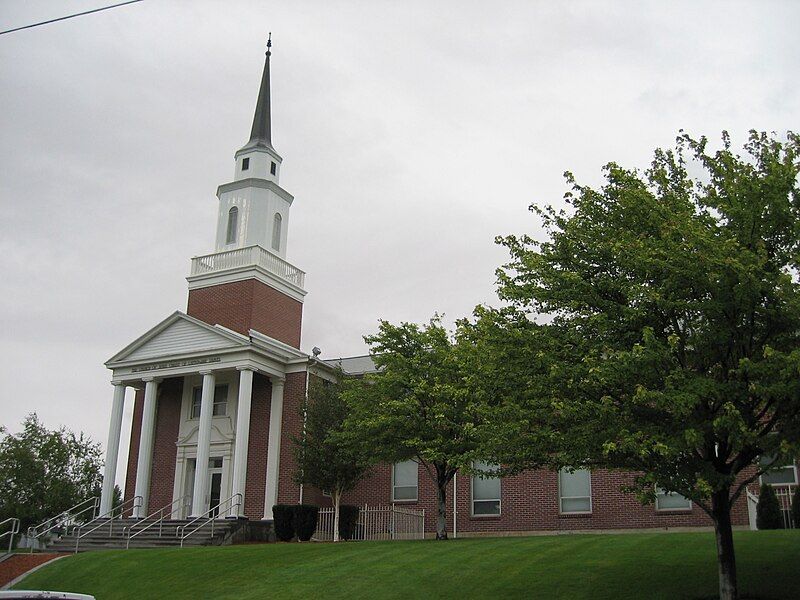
x: 261, y: 133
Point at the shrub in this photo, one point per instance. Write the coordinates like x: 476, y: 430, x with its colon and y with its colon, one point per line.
x: 768, y: 511
x: 348, y: 515
x: 305, y: 521
x: 796, y: 507
x: 283, y: 519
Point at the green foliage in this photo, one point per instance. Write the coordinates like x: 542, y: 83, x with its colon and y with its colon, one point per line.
x: 668, y: 341
x: 420, y: 404
x: 796, y: 507
x: 672, y: 345
x: 768, y: 510
x: 44, y: 472
x: 283, y: 519
x: 328, y: 457
x: 305, y: 521
x: 348, y: 517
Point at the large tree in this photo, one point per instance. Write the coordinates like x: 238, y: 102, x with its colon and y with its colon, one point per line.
x: 327, y: 457
x: 667, y: 342
x: 44, y: 472
x: 419, y: 405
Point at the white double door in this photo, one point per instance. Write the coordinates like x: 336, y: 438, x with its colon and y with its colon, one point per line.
x: 213, y: 493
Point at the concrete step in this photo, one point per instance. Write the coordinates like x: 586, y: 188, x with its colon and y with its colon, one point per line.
x: 116, y: 536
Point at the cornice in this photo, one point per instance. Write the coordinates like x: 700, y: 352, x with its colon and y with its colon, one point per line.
x: 253, y: 182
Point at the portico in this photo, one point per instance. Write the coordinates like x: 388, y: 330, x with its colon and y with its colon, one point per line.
x: 215, y: 372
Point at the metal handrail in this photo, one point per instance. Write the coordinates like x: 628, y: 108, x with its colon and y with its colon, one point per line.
x: 62, y: 518
x: 180, y: 532
x: 94, y: 500
x: 106, y: 518
x: 127, y: 531
x: 11, y: 532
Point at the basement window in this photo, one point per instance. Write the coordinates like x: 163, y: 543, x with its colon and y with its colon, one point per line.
x: 671, y: 501
x: 575, y: 491
x: 246, y: 164
x: 778, y: 475
x: 485, y: 492
x: 404, y: 481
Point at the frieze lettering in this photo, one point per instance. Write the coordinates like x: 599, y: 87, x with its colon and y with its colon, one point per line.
x: 177, y: 363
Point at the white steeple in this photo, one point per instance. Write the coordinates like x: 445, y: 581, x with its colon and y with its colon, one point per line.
x: 253, y: 208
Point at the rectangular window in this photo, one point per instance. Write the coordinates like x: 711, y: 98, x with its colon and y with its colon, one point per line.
x: 575, y: 491
x: 404, y: 480
x: 485, y: 491
x: 671, y: 501
x: 785, y: 475
x: 245, y: 164
x: 220, y: 401
x: 272, y: 168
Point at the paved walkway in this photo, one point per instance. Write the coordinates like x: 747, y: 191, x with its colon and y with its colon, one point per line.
x: 18, y: 564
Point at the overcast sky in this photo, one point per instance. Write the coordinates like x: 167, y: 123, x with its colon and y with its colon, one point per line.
x: 412, y: 134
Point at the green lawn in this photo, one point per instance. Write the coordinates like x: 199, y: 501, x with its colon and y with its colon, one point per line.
x: 648, y: 565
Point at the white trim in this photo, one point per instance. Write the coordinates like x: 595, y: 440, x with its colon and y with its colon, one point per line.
x: 561, y: 497
x: 416, y: 496
x: 244, y: 273
x: 472, y: 500
x: 231, y: 338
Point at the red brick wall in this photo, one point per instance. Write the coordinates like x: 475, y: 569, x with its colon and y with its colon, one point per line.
x: 529, y: 502
x: 293, y: 398
x: 250, y: 304
x: 168, y: 422
x: 133, y: 452
x: 255, y: 486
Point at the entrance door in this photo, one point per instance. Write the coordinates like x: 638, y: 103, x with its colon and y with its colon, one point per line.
x: 214, y: 494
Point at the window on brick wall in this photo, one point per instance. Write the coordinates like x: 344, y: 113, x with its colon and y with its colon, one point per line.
x: 575, y: 491
x: 405, y: 478
x: 783, y: 475
x: 220, y: 401
x: 485, y: 491
x: 671, y: 501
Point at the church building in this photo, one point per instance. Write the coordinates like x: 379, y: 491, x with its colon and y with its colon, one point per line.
x: 219, y: 390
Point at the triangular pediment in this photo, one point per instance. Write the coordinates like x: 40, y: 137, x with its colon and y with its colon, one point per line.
x: 179, y: 334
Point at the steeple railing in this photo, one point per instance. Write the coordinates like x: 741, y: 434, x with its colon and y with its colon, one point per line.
x: 247, y: 257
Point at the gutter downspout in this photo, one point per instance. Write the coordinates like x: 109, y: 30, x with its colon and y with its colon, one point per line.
x: 304, y: 417
x: 455, y: 505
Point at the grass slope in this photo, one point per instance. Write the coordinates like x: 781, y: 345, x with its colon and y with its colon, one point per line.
x: 648, y: 565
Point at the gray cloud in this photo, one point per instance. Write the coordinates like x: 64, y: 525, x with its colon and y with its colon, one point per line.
x: 412, y: 134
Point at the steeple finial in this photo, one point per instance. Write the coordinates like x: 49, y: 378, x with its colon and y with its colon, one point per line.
x: 261, y: 133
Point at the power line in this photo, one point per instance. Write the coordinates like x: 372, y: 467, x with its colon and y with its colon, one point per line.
x: 80, y: 14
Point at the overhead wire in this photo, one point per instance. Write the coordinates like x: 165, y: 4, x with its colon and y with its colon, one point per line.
x: 80, y: 14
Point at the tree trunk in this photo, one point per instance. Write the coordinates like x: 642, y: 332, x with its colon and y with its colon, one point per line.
x: 335, y: 496
x: 726, y: 559
x: 441, y: 517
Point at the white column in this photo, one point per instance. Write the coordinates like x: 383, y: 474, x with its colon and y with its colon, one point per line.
x: 145, y: 461
x: 199, y: 506
x: 274, y: 446
x: 112, y: 448
x: 242, y: 435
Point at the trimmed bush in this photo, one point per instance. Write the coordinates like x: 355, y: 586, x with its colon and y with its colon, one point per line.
x: 348, y: 515
x: 283, y: 515
x: 305, y: 521
x: 796, y: 507
x: 768, y: 511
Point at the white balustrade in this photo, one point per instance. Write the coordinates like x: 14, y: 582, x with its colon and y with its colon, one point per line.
x: 245, y: 257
